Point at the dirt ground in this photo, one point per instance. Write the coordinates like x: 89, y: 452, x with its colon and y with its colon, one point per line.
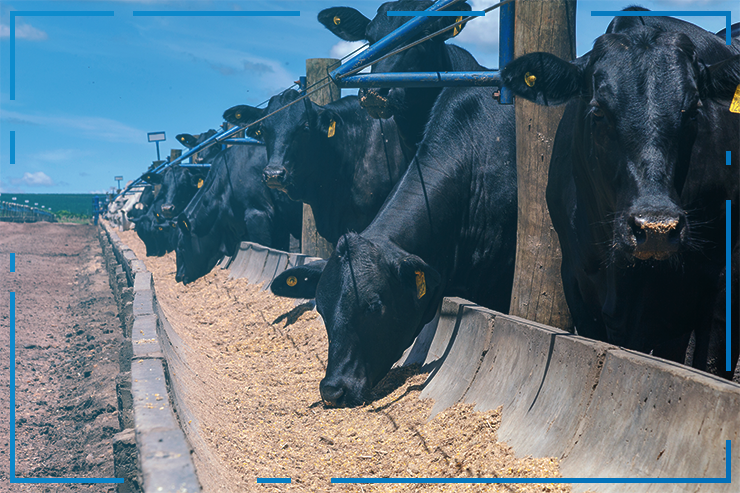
x: 68, y: 339
x: 256, y: 361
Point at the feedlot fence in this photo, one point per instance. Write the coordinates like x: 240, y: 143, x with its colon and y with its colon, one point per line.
x: 623, y: 417
x: 21, y: 213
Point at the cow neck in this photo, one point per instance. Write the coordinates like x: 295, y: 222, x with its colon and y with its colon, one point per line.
x: 385, y: 150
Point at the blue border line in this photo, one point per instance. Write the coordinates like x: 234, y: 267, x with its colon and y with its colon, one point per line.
x: 273, y: 480
x: 438, y: 13
x: 685, y: 13
x: 12, y: 149
x: 43, y: 13
x: 728, y: 284
x: 217, y: 13
x: 11, y: 424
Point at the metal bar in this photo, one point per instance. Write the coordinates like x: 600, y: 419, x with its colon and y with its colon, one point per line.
x: 506, y: 46
x: 245, y: 141
x: 389, y: 42
x: 490, y: 78
x: 199, y: 165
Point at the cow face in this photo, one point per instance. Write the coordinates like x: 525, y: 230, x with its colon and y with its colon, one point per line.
x: 190, y: 141
x: 350, y: 25
x: 292, y: 138
x: 373, y: 301
x: 156, y: 233
x: 195, y: 255
x: 641, y: 96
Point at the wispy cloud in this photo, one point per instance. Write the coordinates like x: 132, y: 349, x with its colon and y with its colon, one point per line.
x: 344, y: 48
x: 59, y: 155
x: 91, y: 127
x: 38, y: 179
x: 23, y: 31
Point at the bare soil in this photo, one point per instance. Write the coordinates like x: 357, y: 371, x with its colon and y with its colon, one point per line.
x: 256, y: 363
x: 68, y: 339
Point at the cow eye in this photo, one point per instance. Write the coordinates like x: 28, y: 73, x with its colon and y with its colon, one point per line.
x: 597, y: 113
x: 306, y: 127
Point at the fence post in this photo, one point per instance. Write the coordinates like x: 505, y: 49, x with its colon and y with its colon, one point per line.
x: 540, y: 25
x: 312, y: 243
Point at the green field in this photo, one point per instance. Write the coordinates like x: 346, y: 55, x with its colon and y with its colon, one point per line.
x: 78, y: 204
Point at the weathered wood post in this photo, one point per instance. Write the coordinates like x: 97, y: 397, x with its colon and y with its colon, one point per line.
x: 541, y: 25
x: 175, y: 153
x: 317, y: 69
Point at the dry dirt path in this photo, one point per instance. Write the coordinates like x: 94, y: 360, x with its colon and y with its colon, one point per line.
x: 68, y: 339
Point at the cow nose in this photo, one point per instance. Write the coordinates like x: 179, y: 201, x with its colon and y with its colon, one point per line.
x: 331, y: 394
x: 655, y: 236
x: 168, y: 210
x: 274, y: 176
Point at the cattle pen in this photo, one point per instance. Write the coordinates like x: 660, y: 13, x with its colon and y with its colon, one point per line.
x: 594, y: 410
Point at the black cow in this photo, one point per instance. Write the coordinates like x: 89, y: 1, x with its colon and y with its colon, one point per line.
x: 177, y: 186
x: 334, y: 157
x: 447, y: 229
x: 409, y: 107
x: 233, y: 205
x: 638, y: 181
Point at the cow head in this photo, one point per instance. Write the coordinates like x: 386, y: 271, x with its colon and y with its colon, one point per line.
x: 156, y: 233
x: 191, y: 141
x: 374, y: 299
x: 196, y: 252
x: 350, y: 25
x: 641, y: 98
x: 292, y: 138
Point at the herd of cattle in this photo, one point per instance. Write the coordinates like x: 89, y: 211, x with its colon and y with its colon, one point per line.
x: 417, y: 191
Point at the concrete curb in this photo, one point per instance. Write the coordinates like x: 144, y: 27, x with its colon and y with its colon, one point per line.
x: 604, y: 411
x: 164, y: 462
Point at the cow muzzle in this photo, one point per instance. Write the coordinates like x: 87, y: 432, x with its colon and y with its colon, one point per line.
x: 168, y: 211
x: 274, y: 177
x: 375, y: 102
x: 655, y: 236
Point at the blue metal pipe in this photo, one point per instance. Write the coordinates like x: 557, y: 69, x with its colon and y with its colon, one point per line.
x: 506, y: 46
x: 423, y: 79
x: 389, y: 42
x: 246, y: 141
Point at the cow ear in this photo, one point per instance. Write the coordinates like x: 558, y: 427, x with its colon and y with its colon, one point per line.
x: 445, y: 21
x: 153, y: 178
x: 329, y: 123
x: 721, y: 81
x: 345, y: 22
x: 544, y: 78
x: 243, y: 114
x: 187, y: 140
x: 418, y: 276
x: 299, y: 282
x: 196, y: 178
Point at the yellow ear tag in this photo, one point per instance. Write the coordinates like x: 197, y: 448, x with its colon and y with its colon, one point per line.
x: 529, y: 79
x: 457, y: 29
x: 238, y: 116
x: 421, y: 284
x: 258, y: 133
x: 337, y: 20
x: 735, y: 105
x: 160, y: 228
x: 291, y: 281
x: 332, y: 129
x: 200, y: 182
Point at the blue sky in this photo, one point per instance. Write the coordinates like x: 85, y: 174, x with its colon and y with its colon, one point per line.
x: 88, y: 89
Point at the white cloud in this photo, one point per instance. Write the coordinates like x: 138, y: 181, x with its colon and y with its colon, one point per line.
x: 92, y: 127
x: 344, y: 48
x: 38, y: 179
x: 23, y: 31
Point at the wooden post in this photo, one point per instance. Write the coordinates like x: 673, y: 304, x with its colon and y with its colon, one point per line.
x: 540, y: 25
x: 175, y: 153
x: 317, y: 69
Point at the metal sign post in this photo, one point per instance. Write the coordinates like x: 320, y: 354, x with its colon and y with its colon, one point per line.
x: 156, y: 137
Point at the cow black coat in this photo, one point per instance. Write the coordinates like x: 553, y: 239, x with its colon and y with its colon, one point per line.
x: 638, y: 181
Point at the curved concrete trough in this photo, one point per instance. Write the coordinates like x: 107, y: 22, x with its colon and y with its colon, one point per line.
x: 604, y: 411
